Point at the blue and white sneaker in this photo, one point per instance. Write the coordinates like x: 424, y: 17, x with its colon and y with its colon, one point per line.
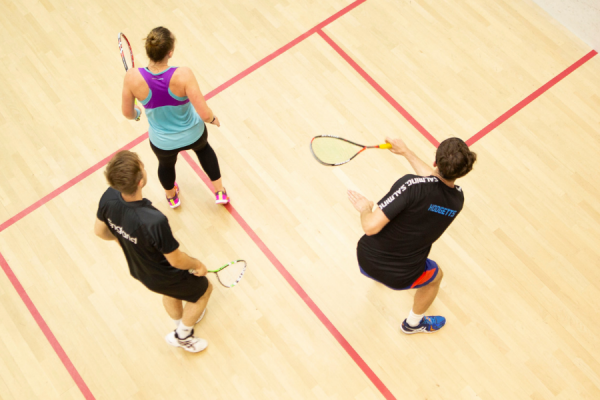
x: 427, y: 325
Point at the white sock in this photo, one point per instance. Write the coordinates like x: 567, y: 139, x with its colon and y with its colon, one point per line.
x: 177, y: 322
x: 183, y: 331
x: 414, y: 319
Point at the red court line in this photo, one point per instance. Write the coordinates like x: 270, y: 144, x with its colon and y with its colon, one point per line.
x: 12, y: 277
x: 343, y: 342
x: 530, y: 98
x: 285, y: 48
x: 69, y: 184
x: 46, y: 330
x: 296, y: 286
x: 64, y: 358
x: 379, y: 89
x: 208, y: 96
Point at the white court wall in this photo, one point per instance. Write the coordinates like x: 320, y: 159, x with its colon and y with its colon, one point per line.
x: 582, y: 17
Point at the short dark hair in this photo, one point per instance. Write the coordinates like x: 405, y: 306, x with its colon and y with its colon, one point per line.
x: 454, y: 159
x: 124, y: 172
x: 159, y: 42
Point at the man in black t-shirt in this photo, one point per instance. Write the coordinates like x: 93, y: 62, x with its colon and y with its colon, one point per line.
x: 414, y: 214
x: 151, y: 251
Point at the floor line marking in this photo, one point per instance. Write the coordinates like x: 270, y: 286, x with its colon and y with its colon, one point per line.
x: 60, y: 352
x: 296, y: 286
x: 207, y: 97
x: 11, y: 221
x: 285, y: 48
x: 494, y: 124
x: 69, y: 184
x: 317, y: 29
x: 379, y: 89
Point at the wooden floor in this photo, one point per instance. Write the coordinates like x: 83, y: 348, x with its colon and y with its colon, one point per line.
x: 521, y: 289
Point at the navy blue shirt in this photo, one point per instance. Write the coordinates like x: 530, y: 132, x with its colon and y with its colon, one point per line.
x: 420, y: 209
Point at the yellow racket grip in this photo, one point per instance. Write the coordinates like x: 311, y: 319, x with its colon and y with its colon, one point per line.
x: 137, y: 104
x: 385, y: 146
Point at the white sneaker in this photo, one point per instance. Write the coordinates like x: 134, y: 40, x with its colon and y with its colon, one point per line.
x: 201, y: 316
x: 190, y: 343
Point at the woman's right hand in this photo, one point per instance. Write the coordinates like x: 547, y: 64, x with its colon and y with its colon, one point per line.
x: 216, y: 121
x: 138, y: 112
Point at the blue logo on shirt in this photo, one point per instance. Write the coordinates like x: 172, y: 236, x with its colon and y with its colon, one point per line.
x: 442, y: 210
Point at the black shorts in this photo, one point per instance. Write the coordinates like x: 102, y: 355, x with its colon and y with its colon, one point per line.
x: 431, y: 271
x: 188, y: 288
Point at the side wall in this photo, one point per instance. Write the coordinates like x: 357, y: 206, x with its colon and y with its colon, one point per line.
x: 582, y: 17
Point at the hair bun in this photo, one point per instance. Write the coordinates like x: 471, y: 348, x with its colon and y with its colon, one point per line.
x: 152, y: 39
x: 158, y: 43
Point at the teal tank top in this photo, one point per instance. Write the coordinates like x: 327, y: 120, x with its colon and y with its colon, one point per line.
x: 174, y: 122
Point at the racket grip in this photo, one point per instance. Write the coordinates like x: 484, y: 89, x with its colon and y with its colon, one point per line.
x: 138, y: 113
x: 385, y: 146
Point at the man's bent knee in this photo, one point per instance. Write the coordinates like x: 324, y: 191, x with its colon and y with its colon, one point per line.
x: 208, y: 291
x: 438, y: 277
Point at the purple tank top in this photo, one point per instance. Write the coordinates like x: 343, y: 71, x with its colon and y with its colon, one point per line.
x: 159, y: 87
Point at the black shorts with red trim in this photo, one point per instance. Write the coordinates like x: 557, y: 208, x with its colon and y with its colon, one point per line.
x: 431, y: 271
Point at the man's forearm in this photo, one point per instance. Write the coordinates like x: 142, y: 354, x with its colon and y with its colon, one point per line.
x: 187, y: 263
x: 371, y: 221
x: 420, y: 167
x: 368, y: 222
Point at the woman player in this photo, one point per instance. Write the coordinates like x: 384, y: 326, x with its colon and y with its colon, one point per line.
x: 177, y: 112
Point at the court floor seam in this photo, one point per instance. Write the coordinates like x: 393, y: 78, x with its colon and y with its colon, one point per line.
x: 358, y: 360
x: 529, y: 99
x: 484, y: 131
x: 66, y: 361
x: 54, y: 343
x: 379, y: 89
x: 317, y: 29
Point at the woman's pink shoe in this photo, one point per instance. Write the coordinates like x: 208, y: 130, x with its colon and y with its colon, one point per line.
x: 221, y: 197
x: 174, y: 201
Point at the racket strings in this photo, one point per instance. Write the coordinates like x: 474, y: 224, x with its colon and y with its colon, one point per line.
x: 330, y: 150
x: 126, y: 49
x: 231, y: 275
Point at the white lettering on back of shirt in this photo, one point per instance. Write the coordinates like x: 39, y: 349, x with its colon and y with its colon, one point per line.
x: 410, y: 182
x: 121, y: 231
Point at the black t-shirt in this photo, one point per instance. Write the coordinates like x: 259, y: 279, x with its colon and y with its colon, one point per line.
x: 419, y: 209
x: 145, y: 235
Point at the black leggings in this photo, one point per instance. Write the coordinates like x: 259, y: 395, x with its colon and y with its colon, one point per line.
x: 168, y: 158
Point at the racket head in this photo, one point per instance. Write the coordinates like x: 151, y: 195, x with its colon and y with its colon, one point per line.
x: 333, y: 150
x: 126, y: 52
x: 229, y: 275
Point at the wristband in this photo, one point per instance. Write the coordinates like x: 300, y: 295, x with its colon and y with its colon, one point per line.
x: 137, y: 114
x: 214, y: 117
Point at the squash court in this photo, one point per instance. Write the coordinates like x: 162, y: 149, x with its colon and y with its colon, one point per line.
x: 521, y: 262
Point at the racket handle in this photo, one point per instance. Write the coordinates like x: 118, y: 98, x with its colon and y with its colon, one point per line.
x: 385, y: 146
x: 138, y: 113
